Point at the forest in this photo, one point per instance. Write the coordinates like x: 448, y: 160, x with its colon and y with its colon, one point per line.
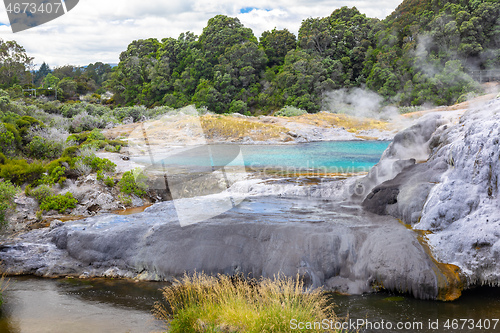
x: 425, y: 52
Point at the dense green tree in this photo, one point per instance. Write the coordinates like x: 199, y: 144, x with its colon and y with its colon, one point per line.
x: 98, y: 72
x: 133, y: 75
x: 423, y: 52
x: 222, y: 33
x: 41, y: 73
x: 67, y: 88
x: 276, y: 44
x: 69, y: 71
x: 14, y: 64
x: 238, y: 73
x: 50, y: 81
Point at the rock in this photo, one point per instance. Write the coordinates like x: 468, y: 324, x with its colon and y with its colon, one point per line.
x: 453, y: 194
x: 56, y: 224
x: 365, y: 250
x: 127, y: 120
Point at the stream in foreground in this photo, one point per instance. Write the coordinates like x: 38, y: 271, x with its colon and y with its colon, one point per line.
x: 34, y: 305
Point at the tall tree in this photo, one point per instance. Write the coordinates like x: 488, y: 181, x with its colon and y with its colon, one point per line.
x: 41, y: 73
x: 222, y: 33
x: 14, y: 64
x: 276, y: 44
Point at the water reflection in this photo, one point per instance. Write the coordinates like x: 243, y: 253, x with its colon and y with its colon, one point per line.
x: 71, y: 305
x: 478, y: 304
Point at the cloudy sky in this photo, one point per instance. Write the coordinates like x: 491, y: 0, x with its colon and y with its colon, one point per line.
x: 98, y: 30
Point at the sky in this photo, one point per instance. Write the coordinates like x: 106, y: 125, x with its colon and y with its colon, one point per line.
x: 99, y: 30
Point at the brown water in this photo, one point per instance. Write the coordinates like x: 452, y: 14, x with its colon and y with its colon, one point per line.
x: 35, y: 305
x: 133, y: 210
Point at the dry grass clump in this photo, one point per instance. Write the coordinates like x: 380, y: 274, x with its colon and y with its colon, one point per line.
x: 350, y: 123
x: 230, y: 127
x: 202, y: 303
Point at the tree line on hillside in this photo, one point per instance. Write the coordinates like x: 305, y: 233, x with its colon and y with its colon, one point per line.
x: 422, y: 53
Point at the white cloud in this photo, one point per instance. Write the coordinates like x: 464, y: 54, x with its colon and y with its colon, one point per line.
x: 97, y: 30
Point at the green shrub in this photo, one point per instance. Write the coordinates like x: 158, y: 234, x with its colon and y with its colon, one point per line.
x: 78, y: 137
x: 96, y: 144
x: 20, y: 172
x: 126, y: 200
x: 101, y: 164
x: 70, y: 152
x: 133, y: 182
x: 7, y: 141
x: 289, y: 111
x: 96, y: 164
x: 40, y: 192
x: 109, y: 182
x: 136, y: 112
x: 4, y: 98
x: 59, y: 202
x: 7, y: 194
x: 96, y: 134
x: 54, y: 175
x: 71, y: 109
x: 42, y: 148
x: 238, y: 107
x: 27, y: 122
x: 113, y: 149
x: 118, y: 143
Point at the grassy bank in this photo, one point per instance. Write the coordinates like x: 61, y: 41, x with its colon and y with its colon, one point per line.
x: 202, y: 303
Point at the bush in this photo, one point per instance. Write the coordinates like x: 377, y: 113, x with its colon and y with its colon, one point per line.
x: 289, y: 111
x: 100, y: 164
x: 95, y: 134
x: 133, y: 182
x: 7, y: 194
x: 20, y: 172
x: 87, y: 158
x: 70, y: 152
x: 42, y: 148
x: 71, y: 109
x: 4, y: 98
x: 55, y: 175
x: 238, y: 107
x: 85, y: 122
x: 7, y: 141
x: 135, y: 112
x: 109, y: 182
x: 126, y: 200
x: 59, y: 202
x: 203, y: 303
x: 79, y: 138
x: 25, y: 123
x: 40, y: 192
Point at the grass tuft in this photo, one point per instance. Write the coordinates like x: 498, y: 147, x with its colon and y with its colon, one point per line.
x: 202, y: 303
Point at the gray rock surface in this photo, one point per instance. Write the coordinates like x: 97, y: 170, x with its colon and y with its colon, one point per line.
x: 454, y: 193
x: 343, y: 249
